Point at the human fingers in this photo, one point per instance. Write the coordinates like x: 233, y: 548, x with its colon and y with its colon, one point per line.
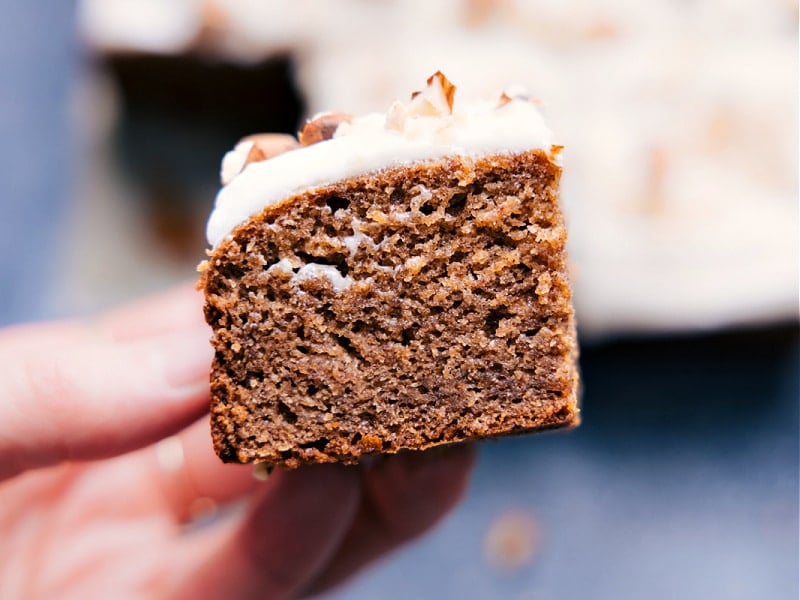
x: 175, y: 310
x: 80, y: 390
x: 403, y: 497
x: 191, y: 478
x: 292, y: 528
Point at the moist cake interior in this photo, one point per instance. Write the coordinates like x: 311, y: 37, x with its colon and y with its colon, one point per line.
x: 417, y: 306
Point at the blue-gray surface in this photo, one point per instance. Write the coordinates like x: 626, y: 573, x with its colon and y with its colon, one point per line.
x: 37, y: 65
x: 682, y: 482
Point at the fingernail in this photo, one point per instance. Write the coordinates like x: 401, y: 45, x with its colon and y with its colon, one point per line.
x: 186, y: 358
x: 176, y: 362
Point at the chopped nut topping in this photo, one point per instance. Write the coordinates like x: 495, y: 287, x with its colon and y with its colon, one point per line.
x: 254, y: 148
x: 214, y: 22
x: 268, y: 145
x: 448, y: 88
x: 322, y: 127
x: 518, y: 94
x: 436, y: 99
x: 603, y: 30
x: 478, y: 12
x: 396, y: 116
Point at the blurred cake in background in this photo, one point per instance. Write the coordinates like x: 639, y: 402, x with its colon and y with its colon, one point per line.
x: 185, y: 88
x: 680, y: 126
x: 679, y: 121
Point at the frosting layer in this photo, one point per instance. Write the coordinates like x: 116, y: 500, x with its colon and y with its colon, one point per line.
x: 428, y: 128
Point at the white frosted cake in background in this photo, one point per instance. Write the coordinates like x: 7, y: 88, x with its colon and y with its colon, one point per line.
x: 680, y: 122
x: 680, y: 126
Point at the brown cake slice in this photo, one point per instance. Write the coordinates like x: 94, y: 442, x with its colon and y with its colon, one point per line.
x: 399, y: 286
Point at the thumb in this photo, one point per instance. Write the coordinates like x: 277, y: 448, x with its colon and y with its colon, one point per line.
x: 80, y: 390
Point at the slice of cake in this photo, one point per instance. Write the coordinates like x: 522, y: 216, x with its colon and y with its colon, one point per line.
x: 397, y: 281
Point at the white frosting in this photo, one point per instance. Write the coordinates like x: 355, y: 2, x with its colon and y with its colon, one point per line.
x: 352, y: 242
x: 233, y: 162
x: 418, y: 132
x: 313, y: 271
x: 300, y: 273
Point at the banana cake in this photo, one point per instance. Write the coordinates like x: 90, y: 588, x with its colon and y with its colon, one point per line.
x: 387, y: 282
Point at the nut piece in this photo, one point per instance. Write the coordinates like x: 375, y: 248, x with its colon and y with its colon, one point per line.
x: 504, y: 99
x: 268, y: 145
x: 396, y: 116
x: 322, y: 127
x: 435, y: 100
x: 512, y: 541
x: 517, y: 93
x: 254, y: 148
x: 448, y: 89
x: 478, y: 12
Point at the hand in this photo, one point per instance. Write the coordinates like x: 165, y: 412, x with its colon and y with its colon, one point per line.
x: 92, y: 504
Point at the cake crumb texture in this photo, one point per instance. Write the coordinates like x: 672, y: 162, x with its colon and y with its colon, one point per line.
x: 417, y: 306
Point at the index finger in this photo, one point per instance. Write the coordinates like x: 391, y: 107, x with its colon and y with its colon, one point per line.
x: 81, y: 390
